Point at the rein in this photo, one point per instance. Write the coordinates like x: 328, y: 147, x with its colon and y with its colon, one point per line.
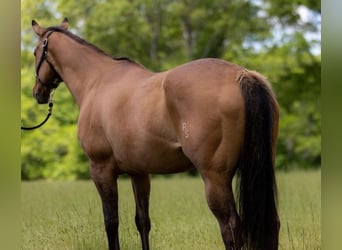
x: 47, y: 117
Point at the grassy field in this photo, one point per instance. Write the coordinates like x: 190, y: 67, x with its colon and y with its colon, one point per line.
x: 68, y: 215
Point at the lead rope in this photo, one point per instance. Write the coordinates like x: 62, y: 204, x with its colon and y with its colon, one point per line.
x: 50, y: 103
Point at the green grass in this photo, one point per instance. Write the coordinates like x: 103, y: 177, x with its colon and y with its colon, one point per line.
x: 68, y: 215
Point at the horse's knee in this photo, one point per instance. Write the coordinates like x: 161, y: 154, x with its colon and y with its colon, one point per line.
x: 143, y: 223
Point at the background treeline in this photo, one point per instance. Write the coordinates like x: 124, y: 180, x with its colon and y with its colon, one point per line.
x: 275, y: 37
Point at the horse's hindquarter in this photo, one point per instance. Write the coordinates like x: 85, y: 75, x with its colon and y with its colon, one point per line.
x: 207, y: 108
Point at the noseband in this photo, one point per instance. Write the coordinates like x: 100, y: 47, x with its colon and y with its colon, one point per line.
x: 43, y: 58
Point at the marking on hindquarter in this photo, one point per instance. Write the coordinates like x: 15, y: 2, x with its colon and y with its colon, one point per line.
x: 185, y: 130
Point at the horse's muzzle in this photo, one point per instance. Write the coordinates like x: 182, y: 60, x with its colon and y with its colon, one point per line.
x: 41, y: 99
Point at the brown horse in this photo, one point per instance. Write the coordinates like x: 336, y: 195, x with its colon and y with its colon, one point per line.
x: 210, y: 114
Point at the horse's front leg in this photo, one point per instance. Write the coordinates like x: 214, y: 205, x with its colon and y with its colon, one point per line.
x: 106, y: 183
x: 141, y: 188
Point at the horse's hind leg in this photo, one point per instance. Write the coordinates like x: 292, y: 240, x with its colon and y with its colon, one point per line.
x: 141, y: 188
x: 220, y: 199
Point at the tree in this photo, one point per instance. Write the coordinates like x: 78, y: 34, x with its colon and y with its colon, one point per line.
x: 268, y: 36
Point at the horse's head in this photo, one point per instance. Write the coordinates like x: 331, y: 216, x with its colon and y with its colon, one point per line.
x: 47, y: 78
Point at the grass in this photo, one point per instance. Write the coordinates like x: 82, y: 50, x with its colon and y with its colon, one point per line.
x: 68, y: 215
x: 300, y: 210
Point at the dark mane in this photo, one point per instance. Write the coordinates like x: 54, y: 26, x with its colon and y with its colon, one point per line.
x: 123, y: 58
x: 84, y: 42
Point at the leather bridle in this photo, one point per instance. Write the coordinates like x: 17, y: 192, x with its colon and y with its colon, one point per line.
x: 54, y: 84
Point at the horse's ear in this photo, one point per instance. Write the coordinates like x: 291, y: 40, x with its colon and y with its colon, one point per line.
x: 65, y: 23
x: 37, y: 29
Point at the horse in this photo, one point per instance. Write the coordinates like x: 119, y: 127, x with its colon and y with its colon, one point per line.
x: 208, y: 114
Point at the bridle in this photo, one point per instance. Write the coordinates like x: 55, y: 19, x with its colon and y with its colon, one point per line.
x: 53, y: 85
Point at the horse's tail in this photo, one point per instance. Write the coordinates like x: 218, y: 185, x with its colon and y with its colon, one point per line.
x: 257, y: 191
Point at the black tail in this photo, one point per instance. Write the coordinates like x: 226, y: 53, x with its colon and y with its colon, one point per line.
x: 257, y: 192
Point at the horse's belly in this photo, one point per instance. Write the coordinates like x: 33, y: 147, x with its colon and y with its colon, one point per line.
x: 155, y: 158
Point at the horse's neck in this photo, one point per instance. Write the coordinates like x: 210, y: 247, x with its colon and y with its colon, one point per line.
x: 79, y: 66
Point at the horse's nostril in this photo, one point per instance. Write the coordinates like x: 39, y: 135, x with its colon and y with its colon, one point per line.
x: 37, y: 96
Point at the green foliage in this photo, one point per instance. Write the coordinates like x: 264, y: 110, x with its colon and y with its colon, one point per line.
x: 299, y: 141
x: 162, y: 34
x: 298, y: 89
x: 53, y: 153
